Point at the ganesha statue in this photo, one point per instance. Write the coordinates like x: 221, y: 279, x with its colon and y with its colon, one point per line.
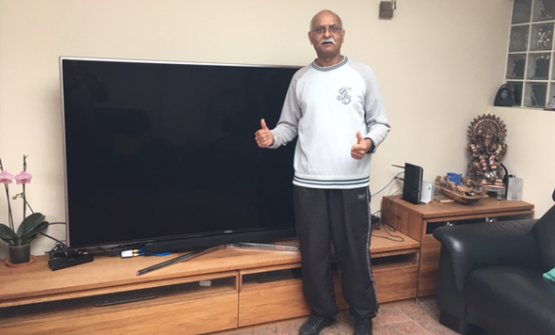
x: 487, y: 148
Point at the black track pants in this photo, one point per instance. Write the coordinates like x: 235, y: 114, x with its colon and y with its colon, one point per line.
x: 341, y: 216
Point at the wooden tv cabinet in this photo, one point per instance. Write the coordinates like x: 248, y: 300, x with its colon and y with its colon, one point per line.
x: 419, y: 221
x: 222, y: 290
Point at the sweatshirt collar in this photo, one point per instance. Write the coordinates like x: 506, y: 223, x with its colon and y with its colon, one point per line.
x: 330, y: 68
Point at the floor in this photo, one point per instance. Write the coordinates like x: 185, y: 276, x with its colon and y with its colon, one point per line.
x: 403, y: 318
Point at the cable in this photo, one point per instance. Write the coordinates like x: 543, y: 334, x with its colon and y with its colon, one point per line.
x: 391, y: 181
x: 60, y: 249
x: 52, y: 238
x: 114, y: 251
x: 141, y: 252
x: 398, y: 191
x: 377, y: 224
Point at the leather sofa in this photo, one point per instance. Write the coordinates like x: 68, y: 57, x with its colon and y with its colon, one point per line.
x: 491, y: 277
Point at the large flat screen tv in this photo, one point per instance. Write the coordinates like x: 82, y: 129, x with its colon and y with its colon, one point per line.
x: 162, y: 154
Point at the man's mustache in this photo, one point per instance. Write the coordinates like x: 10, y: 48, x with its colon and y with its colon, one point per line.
x: 327, y: 40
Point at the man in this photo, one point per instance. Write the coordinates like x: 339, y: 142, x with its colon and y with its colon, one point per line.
x: 334, y: 106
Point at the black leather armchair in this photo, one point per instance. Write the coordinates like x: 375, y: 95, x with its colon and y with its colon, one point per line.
x: 490, y: 277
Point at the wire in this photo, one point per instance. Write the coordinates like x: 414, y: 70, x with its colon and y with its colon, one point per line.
x: 59, y: 247
x: 114, y: 251
x: 391, y: 181
x: 396, y: 192
x: 62, y: 248
x: 378, y: 225
x: 141, y: 252
x: 388, y: 229
x: 52, y: 238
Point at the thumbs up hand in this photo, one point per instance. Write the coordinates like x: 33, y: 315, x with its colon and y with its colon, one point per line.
x: 264, y: 137
x: 362, y: 146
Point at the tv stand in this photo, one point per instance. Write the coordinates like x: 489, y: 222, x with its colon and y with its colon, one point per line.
x: 225, y: 289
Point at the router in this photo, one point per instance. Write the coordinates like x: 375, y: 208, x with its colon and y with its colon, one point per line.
x: 412, y: 188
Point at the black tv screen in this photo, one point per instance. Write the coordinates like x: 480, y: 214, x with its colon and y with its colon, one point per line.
x: 163, y: 154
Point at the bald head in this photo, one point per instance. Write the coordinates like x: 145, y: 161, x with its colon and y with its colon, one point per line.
x: 326, y: 35
x: 324, y: 12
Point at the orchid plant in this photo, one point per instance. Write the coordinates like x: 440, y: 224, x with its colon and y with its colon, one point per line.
x: 31, y: 225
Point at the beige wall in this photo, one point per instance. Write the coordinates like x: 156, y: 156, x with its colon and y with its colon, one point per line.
x: 439, y: 63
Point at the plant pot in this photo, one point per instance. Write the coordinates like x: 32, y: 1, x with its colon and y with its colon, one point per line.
x: 20, y: 255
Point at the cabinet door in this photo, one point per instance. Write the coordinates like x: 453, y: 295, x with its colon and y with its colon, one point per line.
x: 271, y: 295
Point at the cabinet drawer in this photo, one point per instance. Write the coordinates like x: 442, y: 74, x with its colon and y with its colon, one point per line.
x: 394, y: 284
x: 277, y: 295
x: 185, y: 309
x: 271, y: 302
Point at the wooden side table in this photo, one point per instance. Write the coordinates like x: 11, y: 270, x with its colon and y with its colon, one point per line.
x: 419, y: 221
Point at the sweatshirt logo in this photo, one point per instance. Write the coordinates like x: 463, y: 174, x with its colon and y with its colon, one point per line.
x: 344, y: 96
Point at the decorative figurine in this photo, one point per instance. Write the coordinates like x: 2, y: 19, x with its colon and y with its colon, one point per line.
x: 487, y: 148
x: 467, y: 192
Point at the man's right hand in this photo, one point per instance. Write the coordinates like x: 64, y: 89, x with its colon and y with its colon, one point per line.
x: 264, y: 137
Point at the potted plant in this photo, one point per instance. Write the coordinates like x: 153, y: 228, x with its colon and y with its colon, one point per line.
x: 19, y: 240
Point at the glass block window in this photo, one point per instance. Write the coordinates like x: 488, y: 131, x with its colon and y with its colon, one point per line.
x: 530, y: 63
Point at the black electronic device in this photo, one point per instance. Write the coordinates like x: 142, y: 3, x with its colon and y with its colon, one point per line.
x: 412, y: 187
x: 59, y: 263
x: 163, y: 154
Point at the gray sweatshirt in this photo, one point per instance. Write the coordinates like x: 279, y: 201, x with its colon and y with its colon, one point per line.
x: 325, y: 107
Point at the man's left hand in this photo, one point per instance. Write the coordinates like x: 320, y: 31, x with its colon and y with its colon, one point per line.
x: 362, y: 146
